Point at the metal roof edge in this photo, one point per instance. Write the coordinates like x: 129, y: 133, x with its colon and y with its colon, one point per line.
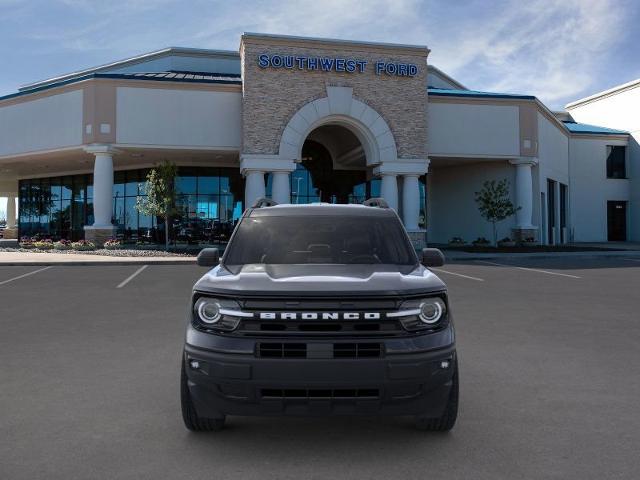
x: 131, y: 61
x: 446, y: 76
x: 477, y: 94
x: 122, y: 76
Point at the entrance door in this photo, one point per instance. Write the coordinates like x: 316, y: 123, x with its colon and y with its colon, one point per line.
x: 617, y: 221
x: 551, y: 212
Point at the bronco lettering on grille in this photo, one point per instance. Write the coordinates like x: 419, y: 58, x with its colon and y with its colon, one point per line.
x: 319, y: 316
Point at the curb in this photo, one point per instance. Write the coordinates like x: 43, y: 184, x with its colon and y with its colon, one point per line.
x: 560, y: 255
x: 91, y: 263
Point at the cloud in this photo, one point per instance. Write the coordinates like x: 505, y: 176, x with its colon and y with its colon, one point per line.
x: 556, y: 49
x: 547, y: 48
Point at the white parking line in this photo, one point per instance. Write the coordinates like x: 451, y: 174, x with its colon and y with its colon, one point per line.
x: 132, y: 276
x: 528, y: 269
x: 25, y: 275
x: 457, y: 274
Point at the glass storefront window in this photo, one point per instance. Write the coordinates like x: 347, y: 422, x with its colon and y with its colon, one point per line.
x: 209, y: 205
x: 422, y: 219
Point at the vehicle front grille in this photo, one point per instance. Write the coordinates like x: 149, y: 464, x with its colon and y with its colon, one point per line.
x: 319, y: 350
x: 332, y: 394
x: 381, y: 327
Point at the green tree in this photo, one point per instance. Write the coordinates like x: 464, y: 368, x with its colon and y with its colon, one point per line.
x: 160, y: 199
x: 494, y: 203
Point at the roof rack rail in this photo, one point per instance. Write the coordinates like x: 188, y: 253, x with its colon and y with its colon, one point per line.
x: 264, y: 202
x: 376, y: 202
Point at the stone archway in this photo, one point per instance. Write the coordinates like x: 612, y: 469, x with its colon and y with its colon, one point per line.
x: 340, y: 108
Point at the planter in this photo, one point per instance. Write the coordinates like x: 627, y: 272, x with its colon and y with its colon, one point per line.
x: 507, y: 244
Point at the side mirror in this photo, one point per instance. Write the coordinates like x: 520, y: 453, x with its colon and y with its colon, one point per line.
x: 208, y: 257
x: 432, y: 257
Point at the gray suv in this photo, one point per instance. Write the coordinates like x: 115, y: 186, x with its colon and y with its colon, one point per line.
x: 319, y: 310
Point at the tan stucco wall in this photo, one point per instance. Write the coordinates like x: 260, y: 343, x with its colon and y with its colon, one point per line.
x: 271, y: 96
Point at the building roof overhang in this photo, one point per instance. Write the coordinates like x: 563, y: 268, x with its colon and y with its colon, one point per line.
x: 145, y: 57
x: 175, y: 77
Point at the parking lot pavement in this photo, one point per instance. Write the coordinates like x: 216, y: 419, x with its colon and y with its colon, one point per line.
x: 549, y: 382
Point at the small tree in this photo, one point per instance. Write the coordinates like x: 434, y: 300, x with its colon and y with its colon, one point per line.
x: 160, y: 197
x: 494, y: 203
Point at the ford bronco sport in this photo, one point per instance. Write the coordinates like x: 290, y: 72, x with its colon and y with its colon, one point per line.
x: 319, y: 309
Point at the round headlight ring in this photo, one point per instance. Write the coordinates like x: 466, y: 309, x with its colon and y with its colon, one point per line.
x: 208, y: 311
x: 431, y: 311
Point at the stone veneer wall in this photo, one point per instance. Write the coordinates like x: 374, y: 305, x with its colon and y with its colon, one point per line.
x: 271, y: 96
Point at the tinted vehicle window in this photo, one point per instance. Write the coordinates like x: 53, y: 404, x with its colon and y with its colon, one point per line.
x: 320, y: 239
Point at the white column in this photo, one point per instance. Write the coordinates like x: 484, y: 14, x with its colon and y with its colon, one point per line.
x: 410, y: 201
x: 524, y: 192
x: 280, y: 191
x: 11, y: 211
x: 103, y: 189
x: 389, y: 189
x: 254, y: 187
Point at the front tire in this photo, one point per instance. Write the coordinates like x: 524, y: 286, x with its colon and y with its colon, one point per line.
x: 191, y: 419
x: 447, y: 420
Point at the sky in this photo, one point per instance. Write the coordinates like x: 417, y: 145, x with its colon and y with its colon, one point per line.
x: 557, y: 50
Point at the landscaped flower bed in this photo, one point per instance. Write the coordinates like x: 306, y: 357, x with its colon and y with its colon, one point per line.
x: 112, y: 244
x: 83, y: 245
x: 62, y: 245
x: 112, y: 248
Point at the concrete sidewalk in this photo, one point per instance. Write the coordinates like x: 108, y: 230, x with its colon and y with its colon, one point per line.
x: 33, y: 258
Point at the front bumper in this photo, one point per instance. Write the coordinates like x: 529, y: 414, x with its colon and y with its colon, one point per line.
x: 407, y: 380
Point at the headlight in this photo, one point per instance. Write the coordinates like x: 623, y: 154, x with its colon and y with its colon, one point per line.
x: 208, y: 310
x: 431, y: 311
x: 421, y: 314
x: 217, y: 314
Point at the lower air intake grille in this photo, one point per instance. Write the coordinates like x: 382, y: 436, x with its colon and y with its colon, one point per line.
x: 357, y: 350
x: 320, y: 393
x: 326, y: 350
x: 283, y: 350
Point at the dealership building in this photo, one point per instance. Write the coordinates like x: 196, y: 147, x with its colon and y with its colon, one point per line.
x: 306, y: 120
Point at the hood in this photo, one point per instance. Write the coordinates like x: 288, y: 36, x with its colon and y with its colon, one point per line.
x: 320, y: 280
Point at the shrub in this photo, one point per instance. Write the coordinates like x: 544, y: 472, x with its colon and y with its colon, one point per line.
x: 457, y: 241
x: 26, y: 242
x: 83, y: 245
x: 112, y: 244
x: 43, y: 244
x: 481, y: 241
x: 62, y: 245
x: 506, y: 242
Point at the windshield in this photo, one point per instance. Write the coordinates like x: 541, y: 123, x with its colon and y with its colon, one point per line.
x: 320, y: 239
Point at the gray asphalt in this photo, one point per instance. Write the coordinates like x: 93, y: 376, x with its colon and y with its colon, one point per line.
x: 550, y: 383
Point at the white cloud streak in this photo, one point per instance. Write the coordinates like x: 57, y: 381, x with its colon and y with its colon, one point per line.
x: 550, y: 48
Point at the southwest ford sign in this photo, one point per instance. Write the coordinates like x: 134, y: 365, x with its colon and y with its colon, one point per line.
x: 331, y: 64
